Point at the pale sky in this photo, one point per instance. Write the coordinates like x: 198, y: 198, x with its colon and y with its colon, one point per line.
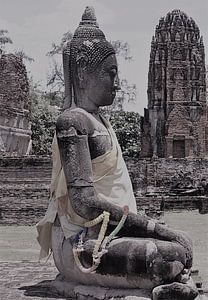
x: 34, y: 24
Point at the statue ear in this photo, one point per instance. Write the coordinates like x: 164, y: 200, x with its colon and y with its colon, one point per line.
x: 82, y: 62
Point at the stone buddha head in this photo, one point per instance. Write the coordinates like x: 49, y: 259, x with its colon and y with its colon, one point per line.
x: 90, y: 66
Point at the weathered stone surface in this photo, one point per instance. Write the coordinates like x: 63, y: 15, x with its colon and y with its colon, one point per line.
x: 175, y: 291
x: 15, y: 130
x: 23, y: 280
x: 175, y: 123
x: 32, y: 280
x: 72, y: 290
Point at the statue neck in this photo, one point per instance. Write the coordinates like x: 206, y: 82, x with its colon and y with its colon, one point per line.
x: 88, y: 107
x: 82, y: 100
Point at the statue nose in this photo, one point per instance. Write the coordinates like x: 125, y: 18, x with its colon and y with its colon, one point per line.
x: 117, y: 85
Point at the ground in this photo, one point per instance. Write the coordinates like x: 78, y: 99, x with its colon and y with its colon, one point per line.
x: 19, y: 266
x: 14, y: 275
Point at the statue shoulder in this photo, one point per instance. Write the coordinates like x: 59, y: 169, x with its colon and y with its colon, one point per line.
x: 77, y: 119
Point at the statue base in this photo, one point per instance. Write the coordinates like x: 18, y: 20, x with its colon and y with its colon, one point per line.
x: 60, y: 288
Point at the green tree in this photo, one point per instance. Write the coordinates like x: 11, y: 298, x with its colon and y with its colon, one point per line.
x: 21, y: 54
x: 4, y: 39
x: 55, y: 77
x: 55, y: 83
x: 127, y: 128
x: 43, y: 119
x: 127, y: 92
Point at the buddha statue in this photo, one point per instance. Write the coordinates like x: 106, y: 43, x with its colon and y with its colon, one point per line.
x: 92, y: 225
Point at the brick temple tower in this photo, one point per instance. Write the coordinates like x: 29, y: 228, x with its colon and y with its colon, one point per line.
x: 15, y: 132
x: 175, y: 122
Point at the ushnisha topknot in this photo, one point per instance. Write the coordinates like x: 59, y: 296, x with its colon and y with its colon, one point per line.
x: 89, y: 17
x: 88, y: 47
x: 88, y: 27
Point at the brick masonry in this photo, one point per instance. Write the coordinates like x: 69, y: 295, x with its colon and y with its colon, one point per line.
x: 15, y: 133
x: 24, y: 189
x: 24, y: 185
x: 175, y: 122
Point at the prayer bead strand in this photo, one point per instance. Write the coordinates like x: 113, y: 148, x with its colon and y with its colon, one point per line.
x: 101, y: 242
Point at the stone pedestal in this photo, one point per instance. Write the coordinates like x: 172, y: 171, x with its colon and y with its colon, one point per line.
x: 59, y: 288
x: 27, y: 280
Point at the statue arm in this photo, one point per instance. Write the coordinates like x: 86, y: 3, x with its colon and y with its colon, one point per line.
x: 72, y: 135
x: 76, y: 160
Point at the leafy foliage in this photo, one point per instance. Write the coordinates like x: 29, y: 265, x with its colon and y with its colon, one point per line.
x: 44, y: 116
x: 21, y: 54
x: 127, y: 128
x: 4, y: 39
x: 126, y: 93
x: 55, y: 78
x: 58, y: 49
x: 43, y: 121
x: 122, y: 49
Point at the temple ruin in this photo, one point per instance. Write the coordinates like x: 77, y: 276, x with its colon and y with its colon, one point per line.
x: 15, y: 133
x: 175, y: 122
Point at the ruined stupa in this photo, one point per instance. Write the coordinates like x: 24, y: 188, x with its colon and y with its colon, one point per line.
x: 175, y: 122
x: 15, y: 133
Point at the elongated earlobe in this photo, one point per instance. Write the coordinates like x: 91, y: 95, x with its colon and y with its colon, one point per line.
x: 82, y: 61
x: 67, y: 79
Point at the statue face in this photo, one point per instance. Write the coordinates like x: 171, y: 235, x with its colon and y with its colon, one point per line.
x: 103, y: 83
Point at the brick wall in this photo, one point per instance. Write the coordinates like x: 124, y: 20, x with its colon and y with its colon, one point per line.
x: 15, y: 132
x: 158, y: 175
x: 24, y: 189
x: 24, y: 185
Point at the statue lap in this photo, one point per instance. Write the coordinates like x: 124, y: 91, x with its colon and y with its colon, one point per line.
x: 130, y: 262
